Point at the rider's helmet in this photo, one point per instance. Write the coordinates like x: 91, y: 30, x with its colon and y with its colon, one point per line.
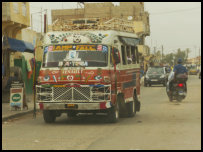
x: 180, y: 61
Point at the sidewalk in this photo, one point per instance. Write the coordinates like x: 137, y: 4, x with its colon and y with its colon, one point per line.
x: 8, y: 114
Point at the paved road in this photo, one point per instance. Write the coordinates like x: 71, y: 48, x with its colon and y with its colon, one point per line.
x: 160, y: 125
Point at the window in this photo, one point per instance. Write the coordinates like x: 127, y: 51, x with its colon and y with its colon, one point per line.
x: 15, y: 7
x: 133, y: 55
x: 24, y: 10
x: 124, y: 58
x: 137, y: 55
x: 75, y: 58
x: 129, y: 56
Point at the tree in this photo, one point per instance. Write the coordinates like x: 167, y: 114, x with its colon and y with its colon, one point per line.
x: 168, y: 58
x: 181, y: 54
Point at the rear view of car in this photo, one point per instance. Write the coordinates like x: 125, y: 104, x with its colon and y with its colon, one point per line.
x: 155, y: 75
x: 193, y: 71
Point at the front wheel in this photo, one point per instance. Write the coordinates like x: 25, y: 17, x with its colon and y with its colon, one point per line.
x: 131, y: 109
x: 113, y: 114
x: 49, y: 116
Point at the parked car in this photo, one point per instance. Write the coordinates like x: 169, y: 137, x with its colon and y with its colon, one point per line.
x: 193, y: 71
x: 155, y: 75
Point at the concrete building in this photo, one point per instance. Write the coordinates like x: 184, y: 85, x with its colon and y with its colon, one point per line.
x: 133, y: 11
x: 15, y: 21
x: 15, y: 17
x: 15, y: 35
x: 196, y: 60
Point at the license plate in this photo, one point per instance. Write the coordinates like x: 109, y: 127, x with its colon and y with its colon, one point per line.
x: 181, y: 93
x: 71, y: 106
x: 154, y: 80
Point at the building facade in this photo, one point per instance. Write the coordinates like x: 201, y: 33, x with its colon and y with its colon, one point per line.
x: 15, y: 35
x: 133, y: 11
x: 15, y: 17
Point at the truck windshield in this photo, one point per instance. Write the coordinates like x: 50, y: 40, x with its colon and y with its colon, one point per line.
x: 75, y: 58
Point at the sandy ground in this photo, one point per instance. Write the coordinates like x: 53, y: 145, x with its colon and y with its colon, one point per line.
x: 160, y: 125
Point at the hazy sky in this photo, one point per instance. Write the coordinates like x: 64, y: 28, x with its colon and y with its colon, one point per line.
x: 173, y: 24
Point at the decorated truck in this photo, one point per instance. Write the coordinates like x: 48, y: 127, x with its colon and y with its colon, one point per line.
x: 89, y: 72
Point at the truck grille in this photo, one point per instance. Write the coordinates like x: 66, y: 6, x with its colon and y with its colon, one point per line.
x: 83, y: 93
x: 71, y: 93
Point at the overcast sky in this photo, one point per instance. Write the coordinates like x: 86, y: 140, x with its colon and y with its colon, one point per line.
x: 173, y: 24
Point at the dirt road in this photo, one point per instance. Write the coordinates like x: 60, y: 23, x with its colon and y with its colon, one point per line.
x: 160, y: 125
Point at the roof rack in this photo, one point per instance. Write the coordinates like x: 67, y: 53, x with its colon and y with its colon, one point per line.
x: 93, y: 24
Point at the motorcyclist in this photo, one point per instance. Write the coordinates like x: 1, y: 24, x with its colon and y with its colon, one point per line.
x: 179, y: 71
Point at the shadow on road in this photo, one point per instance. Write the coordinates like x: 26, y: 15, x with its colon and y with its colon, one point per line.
x: 84, y: 119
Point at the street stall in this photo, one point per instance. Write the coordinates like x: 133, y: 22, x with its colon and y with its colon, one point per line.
x: 16, y: 86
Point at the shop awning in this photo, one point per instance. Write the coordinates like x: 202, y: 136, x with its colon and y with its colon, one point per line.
x: 129, y: 41
x: 18, y: 45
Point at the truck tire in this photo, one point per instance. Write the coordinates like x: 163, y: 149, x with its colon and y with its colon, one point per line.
x: 49, y: 116
x: 113, y: 114
x: 123, y: 111
x: 131, y: 109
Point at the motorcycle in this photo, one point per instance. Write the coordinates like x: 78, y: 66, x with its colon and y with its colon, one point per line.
x: 179, y: 91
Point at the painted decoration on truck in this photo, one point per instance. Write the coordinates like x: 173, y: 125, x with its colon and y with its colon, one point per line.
x: 77, y: 47
x: 76, y: 37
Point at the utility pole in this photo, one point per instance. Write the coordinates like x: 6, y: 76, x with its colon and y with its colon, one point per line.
x: 41, y: 20
x: 31, y: 23
x: 45, y: 21
x: 47, y: 28
x: 162, y: 51
x: 154, y: 50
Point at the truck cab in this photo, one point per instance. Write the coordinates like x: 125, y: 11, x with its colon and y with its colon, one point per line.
x: 89, y: 71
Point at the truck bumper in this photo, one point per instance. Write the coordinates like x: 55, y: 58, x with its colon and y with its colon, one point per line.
x: 74, y: 106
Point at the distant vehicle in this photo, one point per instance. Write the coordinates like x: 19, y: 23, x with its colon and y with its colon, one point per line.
x: 155, y: 75
x: 193, y: 71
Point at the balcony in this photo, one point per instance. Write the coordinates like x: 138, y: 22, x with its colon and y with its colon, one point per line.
x: 144, y: 50
x: 15, y: 16
x: 141, y: 28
